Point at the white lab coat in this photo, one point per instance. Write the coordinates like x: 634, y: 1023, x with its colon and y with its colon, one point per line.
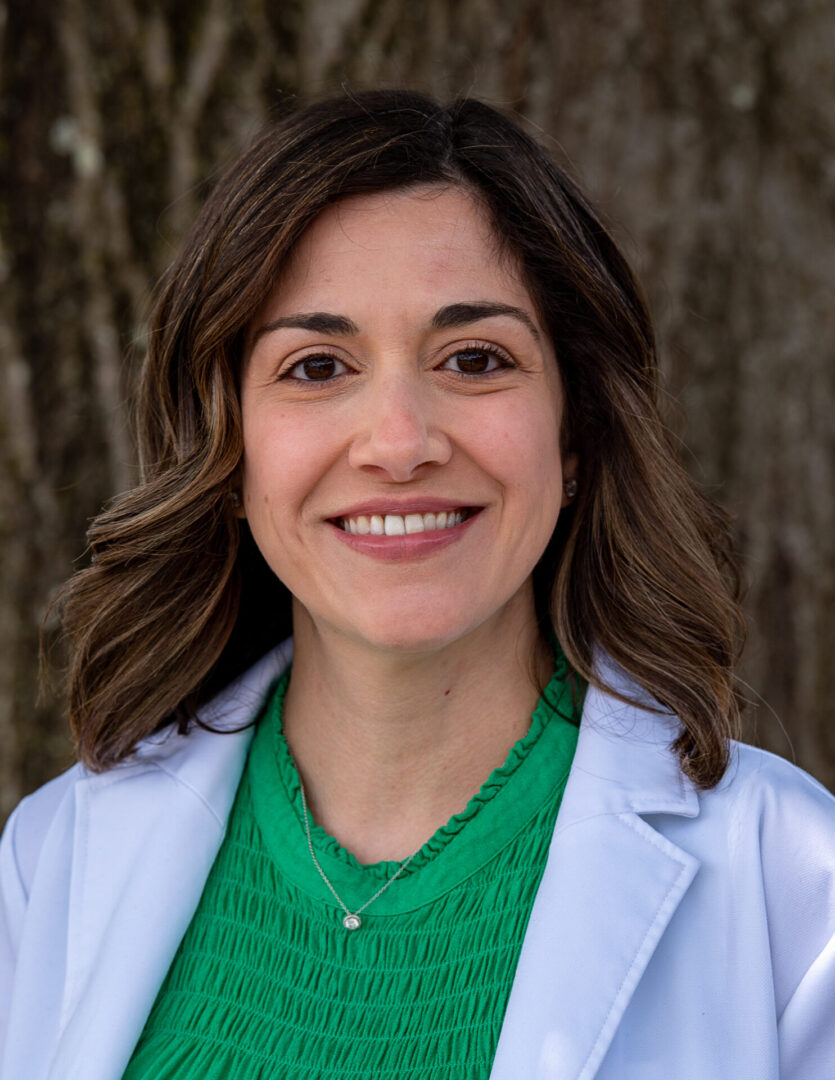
x: 676, y: 933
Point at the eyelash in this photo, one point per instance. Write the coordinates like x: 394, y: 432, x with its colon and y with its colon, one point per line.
x: 493, y: 351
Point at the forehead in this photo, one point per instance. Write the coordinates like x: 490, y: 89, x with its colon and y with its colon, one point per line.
x: 401, y: 248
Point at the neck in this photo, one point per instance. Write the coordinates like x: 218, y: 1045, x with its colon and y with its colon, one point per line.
x: 390, y: 745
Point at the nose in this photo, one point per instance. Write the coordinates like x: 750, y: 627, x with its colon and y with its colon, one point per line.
x: 398, y: 431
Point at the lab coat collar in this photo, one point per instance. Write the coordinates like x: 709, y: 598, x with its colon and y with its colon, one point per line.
x: 624, y: 762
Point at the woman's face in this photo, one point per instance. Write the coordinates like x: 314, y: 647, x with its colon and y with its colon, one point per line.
x: 401, y: 412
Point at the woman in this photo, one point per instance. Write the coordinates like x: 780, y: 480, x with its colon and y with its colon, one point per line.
x: 400, y: 394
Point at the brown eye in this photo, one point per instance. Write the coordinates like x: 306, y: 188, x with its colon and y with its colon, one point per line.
x: 475, y: 361
x: 316, y: 369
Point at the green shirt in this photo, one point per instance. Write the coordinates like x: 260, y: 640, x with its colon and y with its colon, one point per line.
x: 268, y: 983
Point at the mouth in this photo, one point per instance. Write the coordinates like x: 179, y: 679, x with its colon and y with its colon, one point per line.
x: 404, y: 524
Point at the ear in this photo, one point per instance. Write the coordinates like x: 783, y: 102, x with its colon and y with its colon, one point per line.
x: 570, y: 471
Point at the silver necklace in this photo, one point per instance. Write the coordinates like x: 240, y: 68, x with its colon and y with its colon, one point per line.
x: 351, y: 920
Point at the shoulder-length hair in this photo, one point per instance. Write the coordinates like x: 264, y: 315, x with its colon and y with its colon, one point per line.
x: 178, y: 600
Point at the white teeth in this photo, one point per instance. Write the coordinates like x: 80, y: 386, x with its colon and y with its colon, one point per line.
x: 402, y: 525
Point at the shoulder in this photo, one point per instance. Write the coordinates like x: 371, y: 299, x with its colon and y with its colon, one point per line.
x: 772, y: 834
x: 772, y: 820
x: 788, y: 804
x: 52, y: 806
x: 764, y: 836
x: 23, y: 836
x: 788, y: 817
x: 206, y: 763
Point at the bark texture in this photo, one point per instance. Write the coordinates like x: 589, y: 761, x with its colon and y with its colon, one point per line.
x: 705, y: 130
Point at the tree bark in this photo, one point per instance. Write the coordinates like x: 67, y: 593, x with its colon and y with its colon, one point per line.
x: 704, y: 130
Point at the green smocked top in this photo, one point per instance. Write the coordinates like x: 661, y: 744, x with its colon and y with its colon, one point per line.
x: 267, y: 983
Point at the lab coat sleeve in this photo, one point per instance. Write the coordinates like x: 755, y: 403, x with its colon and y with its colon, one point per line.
x: 20, y: 850
x: 12, y: 910
x: 807, y: 1026
x: 798, y: 865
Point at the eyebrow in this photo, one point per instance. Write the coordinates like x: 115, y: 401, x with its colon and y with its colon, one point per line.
x: 462, y: 314
x: 446, y: 318
x: 319, y: 322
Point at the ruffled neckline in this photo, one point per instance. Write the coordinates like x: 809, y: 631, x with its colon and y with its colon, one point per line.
x: 509, y: 797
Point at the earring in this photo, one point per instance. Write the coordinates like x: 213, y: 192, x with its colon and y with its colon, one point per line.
x: 235, y: 499
x: 570, y: 488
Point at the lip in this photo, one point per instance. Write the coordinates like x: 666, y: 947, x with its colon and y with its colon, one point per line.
x: 410, y: 546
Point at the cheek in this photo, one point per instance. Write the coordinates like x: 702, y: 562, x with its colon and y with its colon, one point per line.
x: 525, y: 450
x: 281, y: 461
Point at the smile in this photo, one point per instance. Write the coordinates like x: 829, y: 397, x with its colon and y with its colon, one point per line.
x: 415, y: 533
x: 402, y: 524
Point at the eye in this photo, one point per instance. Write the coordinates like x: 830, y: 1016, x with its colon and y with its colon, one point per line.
x: 315, y: 369
x: 477, y: 360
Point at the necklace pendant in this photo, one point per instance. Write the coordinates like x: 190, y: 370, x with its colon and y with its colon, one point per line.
x: 352, y: 922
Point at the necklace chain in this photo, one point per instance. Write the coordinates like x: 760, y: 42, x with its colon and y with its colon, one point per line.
x: 352, y: 920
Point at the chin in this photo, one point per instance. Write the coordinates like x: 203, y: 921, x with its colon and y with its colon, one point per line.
x: 398, y: 640
x: 414, y: 633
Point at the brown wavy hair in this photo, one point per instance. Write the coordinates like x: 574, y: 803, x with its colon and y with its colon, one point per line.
x: 178, y: 600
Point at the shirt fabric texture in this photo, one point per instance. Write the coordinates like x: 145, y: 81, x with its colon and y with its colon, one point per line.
x: 675, y: 932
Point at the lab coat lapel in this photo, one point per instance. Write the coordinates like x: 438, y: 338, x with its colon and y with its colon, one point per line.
x: 139, y: 868
x: 611, y: 885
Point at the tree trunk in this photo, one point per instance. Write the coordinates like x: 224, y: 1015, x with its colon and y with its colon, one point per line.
x: 705, y: 130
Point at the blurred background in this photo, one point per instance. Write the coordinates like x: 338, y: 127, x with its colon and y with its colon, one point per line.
x: 704, y: 130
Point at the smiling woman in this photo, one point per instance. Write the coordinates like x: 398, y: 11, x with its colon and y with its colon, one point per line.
x: 400, y: 399
x: 402, y: 470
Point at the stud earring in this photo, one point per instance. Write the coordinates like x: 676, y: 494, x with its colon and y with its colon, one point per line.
x: 570, y: 488
x: 235, y: 499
